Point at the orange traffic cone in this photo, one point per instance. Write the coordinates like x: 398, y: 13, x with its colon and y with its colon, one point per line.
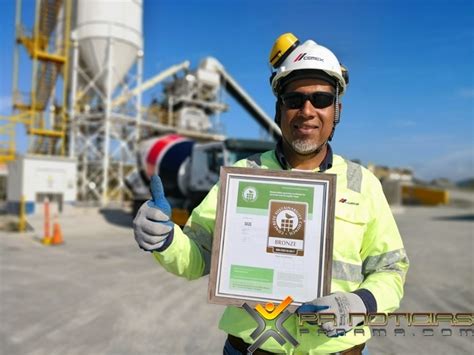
x: 57, y: 234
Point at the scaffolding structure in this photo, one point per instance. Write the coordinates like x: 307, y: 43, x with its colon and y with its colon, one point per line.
x: 43, y: 109
x: 66, y: 108
x: 84, y: 99
x: 104, y: 135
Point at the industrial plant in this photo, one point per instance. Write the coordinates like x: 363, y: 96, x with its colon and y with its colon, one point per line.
x: 90, y: 137
x: 72, y: 279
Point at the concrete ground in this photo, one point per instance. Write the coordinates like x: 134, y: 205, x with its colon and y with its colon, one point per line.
x: 100, y: 294
x: 439, y: 242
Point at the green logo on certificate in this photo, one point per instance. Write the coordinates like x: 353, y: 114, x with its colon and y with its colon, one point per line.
x: 249, y: 194
x: 286, y: 228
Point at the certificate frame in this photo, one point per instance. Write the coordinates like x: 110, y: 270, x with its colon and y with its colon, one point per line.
x: 308, y: 198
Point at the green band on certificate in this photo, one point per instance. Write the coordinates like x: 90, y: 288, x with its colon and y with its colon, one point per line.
x: 251, y: 278
x: 256, y: 195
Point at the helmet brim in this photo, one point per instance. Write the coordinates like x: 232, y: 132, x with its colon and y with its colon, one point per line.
x: 305, y: 74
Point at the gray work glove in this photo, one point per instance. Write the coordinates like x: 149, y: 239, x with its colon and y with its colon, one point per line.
x: 341, y: 304
x: 152, y: 226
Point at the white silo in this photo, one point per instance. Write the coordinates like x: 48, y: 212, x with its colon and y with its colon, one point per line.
x: 107, y: 42
x: 109, y: 26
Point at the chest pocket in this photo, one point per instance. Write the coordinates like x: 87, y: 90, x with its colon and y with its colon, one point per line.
x: 352, y: 218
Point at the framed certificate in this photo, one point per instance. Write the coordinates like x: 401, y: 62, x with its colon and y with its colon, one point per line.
x: 273, y: 236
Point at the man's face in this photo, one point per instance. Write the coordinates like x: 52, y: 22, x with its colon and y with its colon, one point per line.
x: 307, y: 128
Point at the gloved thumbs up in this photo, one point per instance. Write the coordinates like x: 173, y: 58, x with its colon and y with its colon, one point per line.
x: 159, y: 200
x: 152, y: 225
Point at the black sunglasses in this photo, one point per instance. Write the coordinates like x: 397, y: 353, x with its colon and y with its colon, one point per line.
x: 318, y: 99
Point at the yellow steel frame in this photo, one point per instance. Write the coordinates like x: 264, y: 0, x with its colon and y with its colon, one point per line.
x: 32, y: 113
x: 7, y: 142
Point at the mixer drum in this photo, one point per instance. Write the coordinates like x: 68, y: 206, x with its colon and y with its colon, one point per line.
x: 164, y: 156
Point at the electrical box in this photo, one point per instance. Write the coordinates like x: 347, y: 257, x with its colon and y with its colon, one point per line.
x: 37, y: 177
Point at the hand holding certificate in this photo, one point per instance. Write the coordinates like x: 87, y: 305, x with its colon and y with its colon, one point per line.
x: 273, y: 236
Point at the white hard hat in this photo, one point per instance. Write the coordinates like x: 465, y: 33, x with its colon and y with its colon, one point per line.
x: 305, y: 60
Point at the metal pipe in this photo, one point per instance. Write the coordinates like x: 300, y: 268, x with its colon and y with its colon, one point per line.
x: 36, y: 36
x: 72, y: 104
x: 236, y: 91
x: 152, y: 82
x: 108, y: 109
x: 16, y: 56
x: 139, y: 97
x: 66, y: 37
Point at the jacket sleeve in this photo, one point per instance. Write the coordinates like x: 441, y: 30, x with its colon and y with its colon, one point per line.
x: 189, y: 254
x: 385, y: 262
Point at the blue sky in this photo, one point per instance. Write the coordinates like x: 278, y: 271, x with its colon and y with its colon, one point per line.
x: 410, y: 102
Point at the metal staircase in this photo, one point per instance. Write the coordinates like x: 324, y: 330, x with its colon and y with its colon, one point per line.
x: 7, y: 140
x: 43, y: 109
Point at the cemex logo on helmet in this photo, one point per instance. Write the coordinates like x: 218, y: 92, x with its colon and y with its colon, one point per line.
x: 303, y: 56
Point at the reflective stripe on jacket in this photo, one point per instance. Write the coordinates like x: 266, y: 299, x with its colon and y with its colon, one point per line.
x: 368, y: 253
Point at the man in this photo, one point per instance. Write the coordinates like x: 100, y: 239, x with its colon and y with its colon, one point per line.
x: 370, y: 263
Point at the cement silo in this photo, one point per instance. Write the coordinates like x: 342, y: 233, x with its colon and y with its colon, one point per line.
x: 108, y: 27
x: 107, y: 42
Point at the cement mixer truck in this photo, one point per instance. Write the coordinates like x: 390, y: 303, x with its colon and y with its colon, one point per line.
x: 187, y: 168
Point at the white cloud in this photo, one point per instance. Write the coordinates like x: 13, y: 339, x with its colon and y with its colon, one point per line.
x: 455, y: 166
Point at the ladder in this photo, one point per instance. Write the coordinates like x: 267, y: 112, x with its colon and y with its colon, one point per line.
x: 47, y: 46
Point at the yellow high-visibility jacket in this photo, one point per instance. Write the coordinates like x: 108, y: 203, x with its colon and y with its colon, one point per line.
x: 368, y: 253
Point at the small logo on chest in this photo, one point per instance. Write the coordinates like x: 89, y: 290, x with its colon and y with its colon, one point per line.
x: 343, y: 200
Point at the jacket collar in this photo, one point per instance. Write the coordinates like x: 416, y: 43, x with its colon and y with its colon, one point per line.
x: 326, y: 164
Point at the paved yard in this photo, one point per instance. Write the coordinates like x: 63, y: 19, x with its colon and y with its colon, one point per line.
x: 99, y: 294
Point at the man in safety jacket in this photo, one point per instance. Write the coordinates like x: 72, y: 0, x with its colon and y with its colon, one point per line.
x: 369, y: 260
